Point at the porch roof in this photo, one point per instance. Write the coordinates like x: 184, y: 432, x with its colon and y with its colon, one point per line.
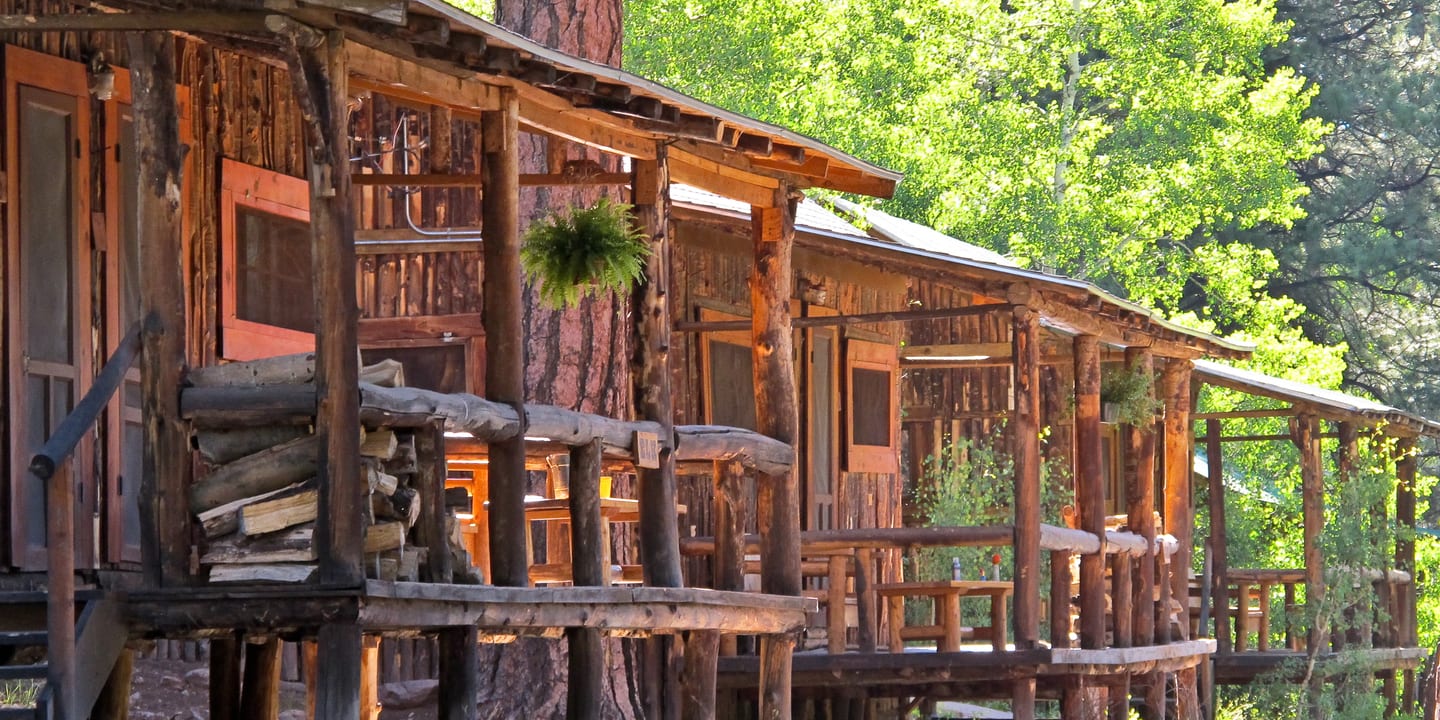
x: 1331, y: 404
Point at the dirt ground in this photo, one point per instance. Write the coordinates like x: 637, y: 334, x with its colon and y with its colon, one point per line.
x: 179, y: 690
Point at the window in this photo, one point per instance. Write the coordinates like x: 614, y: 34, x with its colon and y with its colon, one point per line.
x: 267, y: 275
x: 871, y: 376
x: 439, y: 366
x: 728, y: 367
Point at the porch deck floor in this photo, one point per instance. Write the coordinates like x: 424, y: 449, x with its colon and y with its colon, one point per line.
x: 400, y: 608
x: 1239, y: 668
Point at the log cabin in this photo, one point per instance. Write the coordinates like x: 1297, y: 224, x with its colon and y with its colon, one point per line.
x: 1127, y: 626
x: 251, y: 320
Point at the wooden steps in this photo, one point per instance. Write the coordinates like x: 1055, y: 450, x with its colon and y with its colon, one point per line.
x: 36, y: 671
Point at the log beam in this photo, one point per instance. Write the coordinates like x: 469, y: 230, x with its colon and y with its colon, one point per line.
x: 505, y: 338
x: 981, y: 310
x: 163, y: 510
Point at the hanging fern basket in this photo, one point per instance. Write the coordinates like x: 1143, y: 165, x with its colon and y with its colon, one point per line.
x: 585, y: 251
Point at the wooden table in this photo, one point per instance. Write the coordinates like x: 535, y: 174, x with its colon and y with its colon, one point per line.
x: 947, y: 593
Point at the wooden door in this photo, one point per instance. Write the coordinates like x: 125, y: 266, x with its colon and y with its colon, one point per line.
x: 48, y: 346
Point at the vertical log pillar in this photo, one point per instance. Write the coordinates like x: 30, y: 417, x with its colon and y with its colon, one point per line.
x: 320, y: 78
x: 1179, y: 465
x: 1059, y: 599
x: 1307, y: 439
x: 459, y: 673
x: 1025, y: 450
x: 60, y: 598
x: 1022, y: 699
x: 260, y: 693
x: 114, y: 700
x: 728, y: 563
x: 1219, y: 546
x: 337, y: 681
x: 1120, y: 598
x: 698, y: 679
x: 777, y: 413
x: 1090, y: 489
x: 588, y: 552
x: 503, y: 289
x: 1140, y: 506
x: 432, y: 528
x: 225, y: 678
x: 659, y: 528
x: 164, y: 512
x: 1405, y: 624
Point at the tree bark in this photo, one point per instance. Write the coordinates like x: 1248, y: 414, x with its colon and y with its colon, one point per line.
x: 577, y: 359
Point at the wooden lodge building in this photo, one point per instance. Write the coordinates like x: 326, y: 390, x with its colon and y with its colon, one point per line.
x: 263, y: 381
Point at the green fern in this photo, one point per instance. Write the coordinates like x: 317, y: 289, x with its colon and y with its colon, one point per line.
x: 587, y: 251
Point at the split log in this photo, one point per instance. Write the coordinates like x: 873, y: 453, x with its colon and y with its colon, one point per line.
x: 281, y: 370
x: 381, y: 483
x: 218, y: 447
x: 272, y: 515
x: 276, y: 572
x: 225, y: 519
x: 384, y: 536
x: 297, y: 545
x: 258, y: 473
x: 401, y: 506
x: 379, y: 444
x: 404, y: 462
x: 386, y: 373
x: 228, y: 407
x: 458, y: 497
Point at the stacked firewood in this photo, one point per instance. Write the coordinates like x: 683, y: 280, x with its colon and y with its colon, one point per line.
x: 258, y: 502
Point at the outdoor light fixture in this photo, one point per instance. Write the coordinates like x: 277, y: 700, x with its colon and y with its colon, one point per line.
x: 102, y: 78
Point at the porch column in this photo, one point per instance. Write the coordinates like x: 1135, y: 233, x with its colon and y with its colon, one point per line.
x: 1179, y: 465
x: 1405, y: 467
x: 659, y: 528
x: 1219, y: 545
x: 1306, y: 436
x: 1090, y: 488
x: 777, y: 415
x: 1140, y: 505
x: 319, y: 75
x: 503, y: 290
x: 164, y: 511
x: 1025, y: 450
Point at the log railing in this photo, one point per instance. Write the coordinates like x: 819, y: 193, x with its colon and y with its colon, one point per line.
x: 846, y: 559
x: 1264, y: 609
x: 50, y: 466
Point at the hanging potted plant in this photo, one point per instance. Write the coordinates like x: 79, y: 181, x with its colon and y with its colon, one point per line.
x: 586, y: 251
x: 1126, y: 397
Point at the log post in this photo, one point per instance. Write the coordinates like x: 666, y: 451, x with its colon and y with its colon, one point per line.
x: 60, y: 595
x: 1406, y: 629
x: 659, y: 528
x: 1179, y: 466
x: 1120, y: 599
x: 1140, y: 505
x: 728, y: 562
x: 1307, y: 439
x: 370, y: 677
x: 698, y: 679
x: 114, y: 700
x: 337, y: 680
x: 1022, y: 699
x: 260, y: 693
x: 1090, y: 489
x: 1219, y: 546
x: 777, y: 413
x: 1059, y: 599
x: 320, y: 77
x: 432, y: 529
x: 503, y: 289
x: 163, y: 508
x: 459, y: 673
x: 1025, y: 450
x: 588, y: 550
x: 865, y: 599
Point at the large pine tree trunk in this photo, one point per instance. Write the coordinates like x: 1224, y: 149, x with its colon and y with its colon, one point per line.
x: 575, y: 359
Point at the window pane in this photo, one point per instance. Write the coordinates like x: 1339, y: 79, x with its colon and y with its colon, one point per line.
x: 870, y: 397
x: 440, y: 368
x: 46, y: 221
x: 273, y: 273
x: 732, y: 385
x: 822, y: 419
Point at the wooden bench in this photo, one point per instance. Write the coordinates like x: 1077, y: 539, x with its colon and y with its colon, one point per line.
x: 946, y: 630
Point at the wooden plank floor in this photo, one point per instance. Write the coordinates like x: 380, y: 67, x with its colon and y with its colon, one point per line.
x: 1238, y: 668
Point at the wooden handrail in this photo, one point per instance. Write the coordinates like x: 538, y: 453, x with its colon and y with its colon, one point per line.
x: 63, y: 441
x: 60, y: 524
